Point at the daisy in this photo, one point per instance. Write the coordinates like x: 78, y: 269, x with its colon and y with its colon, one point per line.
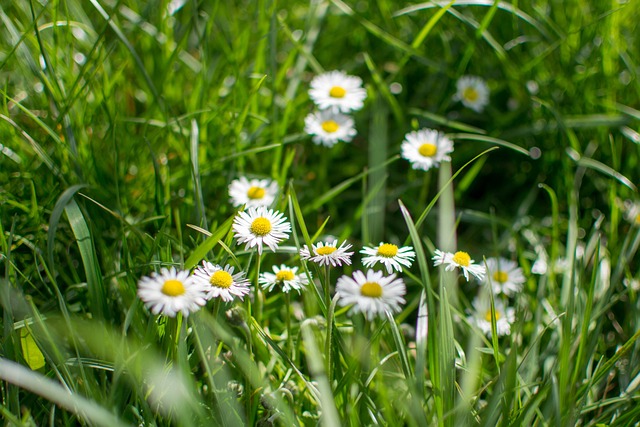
x: 252, y: 193
x: 426, y: 148
x: 283, y: 276
x: 328, y: 127
x: 504, y: 275
x: 327, y: 253
x: 338, y: 91
x: 221, y: 282
x: 259, y: 226
x: 371, y: 294
x: 473, y: 92
x: 170, y: 292
x: 388, y: 254
x: 504, y: 316
x: 459, y: 259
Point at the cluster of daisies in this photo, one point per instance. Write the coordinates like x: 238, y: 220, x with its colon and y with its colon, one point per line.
x: 372, y: 292
x: 336, y: 94
x: 501, y: 278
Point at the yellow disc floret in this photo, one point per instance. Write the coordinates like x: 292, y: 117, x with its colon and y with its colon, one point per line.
x: 260, y: 226
x: 500, y: 276
x: 255, y: 193
x: 470, y: 94
x: 487, y: 316
x: 221, y: 279
x: 428, y: 150
x: 325, y: 250
x: 371, y: 290
x: 462, y: 258
x: 387, y: 250
x: 173, y: 288
x: 330, y: 126
x: 284, y: 275
x: 337, y: 92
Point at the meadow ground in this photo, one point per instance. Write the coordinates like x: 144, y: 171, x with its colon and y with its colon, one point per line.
x: 319, y: 212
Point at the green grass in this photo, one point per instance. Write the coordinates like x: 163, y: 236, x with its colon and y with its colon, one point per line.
x: 122, y: 125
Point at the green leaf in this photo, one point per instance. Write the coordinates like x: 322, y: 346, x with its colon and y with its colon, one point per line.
x: 30, y: 350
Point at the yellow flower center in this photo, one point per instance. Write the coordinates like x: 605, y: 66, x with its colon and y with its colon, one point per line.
x: 255, y: 193
x: 487, y: 316
x: 330, y: 126
x: 337, y: 92
x: 173, y: 288
x: 470, y: 94
x: 260, y: 226
x: 462, y: 258
x: 388, y: 250
x: 221, y: 279
x: 500, y: 276
x: 284, y: 275
x: 371, y: 290
x: 428, y: 150
x: 325, y: 250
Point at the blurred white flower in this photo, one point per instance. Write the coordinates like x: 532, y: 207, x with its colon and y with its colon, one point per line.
x: 170, y: 292
x: 504, y: 276
x: 253, y: 193
x: 328, y: 127
x: 338, y: 91
x: 473, y: 92
x: 481, y: 317
x: 371, y: 294
x: 426, y: 148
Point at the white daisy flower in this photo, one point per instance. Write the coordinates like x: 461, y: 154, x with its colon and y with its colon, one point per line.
x: 285, y: 277
x: 473, y: 92
x: 505, y: 276
x: 253, y: 193
x: 461, y: 260
x: 259, y: 226
x: 221, y: 282
x: 338, y: 91
x: 170, y: 292
x: 371, y: 294
x: 481, y: 316
x: 327, y: 253
x: 390, y: 255
x: 328, y: 127
x: 426, y: 148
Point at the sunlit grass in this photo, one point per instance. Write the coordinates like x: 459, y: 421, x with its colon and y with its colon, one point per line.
x: 123, y: 124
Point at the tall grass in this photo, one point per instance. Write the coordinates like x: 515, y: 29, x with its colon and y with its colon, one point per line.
x: 123, y: 123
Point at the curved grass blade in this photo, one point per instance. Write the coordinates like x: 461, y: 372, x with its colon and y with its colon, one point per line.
x: 201, y: 251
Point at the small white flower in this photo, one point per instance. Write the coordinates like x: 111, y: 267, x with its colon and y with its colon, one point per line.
x: 221, y: 282
x: 481, y: 317
x: 170, y: 292
x: 327, y: 253
x: 390, y: 255
x: 328, y: 127
x: 371, y: 294
x: 539, y: 266
x: 259, y: 226
x: 473, y: 92
x: 253, y: 193
x: 338, y: 91
x: 426, y: 148
x: 461, y: 260
x: 283, y: 276
x: 505, y: 276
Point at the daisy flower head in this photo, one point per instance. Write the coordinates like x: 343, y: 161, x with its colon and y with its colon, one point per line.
x: 473, y: 92
x: 426, y: 148
x: 481, y: 317
x: 261, y: 226
x: 371, y: 293
x: 325, y: 253
x: 460, y: 260
x: 221, y: 282
x: 285, y: 277
x: 252, y: 193
x: 390, y: 255
x: 338, y: 91
x: 171, y: 291
x: 505, y: 276
x: 329, y: 127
